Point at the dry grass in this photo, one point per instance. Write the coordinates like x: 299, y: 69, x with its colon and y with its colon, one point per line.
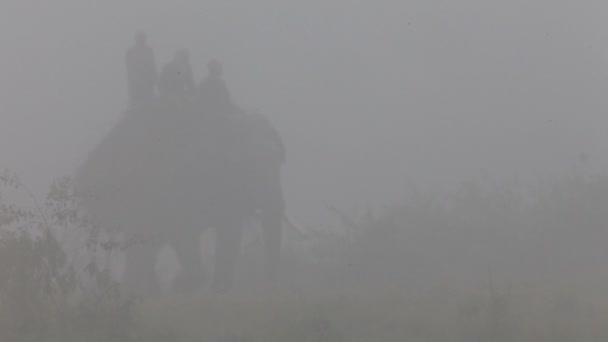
x: 524, y: 316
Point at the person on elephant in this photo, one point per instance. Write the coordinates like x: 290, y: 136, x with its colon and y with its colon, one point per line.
x: 213, y: 91
x: 183, y: 60
x: 176, y: 78
x: 141, y: 71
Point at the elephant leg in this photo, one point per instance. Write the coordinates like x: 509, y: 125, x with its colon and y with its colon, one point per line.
x: 187, y: 246
x: 272, y: 231
x: 139, y: 274
x: 227, y: 244
x: 272, y: 212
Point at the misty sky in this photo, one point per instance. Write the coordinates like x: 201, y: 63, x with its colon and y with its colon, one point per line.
x: 369, y: 96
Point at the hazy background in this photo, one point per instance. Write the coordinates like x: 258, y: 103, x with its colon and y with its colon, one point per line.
x: 370, y: 97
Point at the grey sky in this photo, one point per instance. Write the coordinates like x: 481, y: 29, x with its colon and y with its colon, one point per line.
x: 368, y: 95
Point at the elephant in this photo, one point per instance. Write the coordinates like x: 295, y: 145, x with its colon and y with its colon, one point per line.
x: 164, y: 178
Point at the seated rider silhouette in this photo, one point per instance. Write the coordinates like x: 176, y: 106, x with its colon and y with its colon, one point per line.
x: 176, y: 80
x: 213, y: 91
x: 141, y: 71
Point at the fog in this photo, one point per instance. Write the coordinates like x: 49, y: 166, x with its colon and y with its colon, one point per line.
x: 367, y: 97
x: 375, y: 101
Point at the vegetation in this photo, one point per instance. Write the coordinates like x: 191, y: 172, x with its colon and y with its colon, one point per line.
x: 486, y: 263
x: 44, y: 294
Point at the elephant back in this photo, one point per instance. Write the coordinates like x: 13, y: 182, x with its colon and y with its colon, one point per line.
x: 173, y: 167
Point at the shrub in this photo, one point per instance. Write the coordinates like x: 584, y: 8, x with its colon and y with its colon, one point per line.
x: 44, y: 294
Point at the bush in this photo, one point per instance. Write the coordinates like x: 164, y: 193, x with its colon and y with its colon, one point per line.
x: 44, y: 294
x: 502, y: 251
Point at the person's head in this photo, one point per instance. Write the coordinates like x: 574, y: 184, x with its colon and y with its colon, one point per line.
x: 215, y: 68
x: 140, y: 38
